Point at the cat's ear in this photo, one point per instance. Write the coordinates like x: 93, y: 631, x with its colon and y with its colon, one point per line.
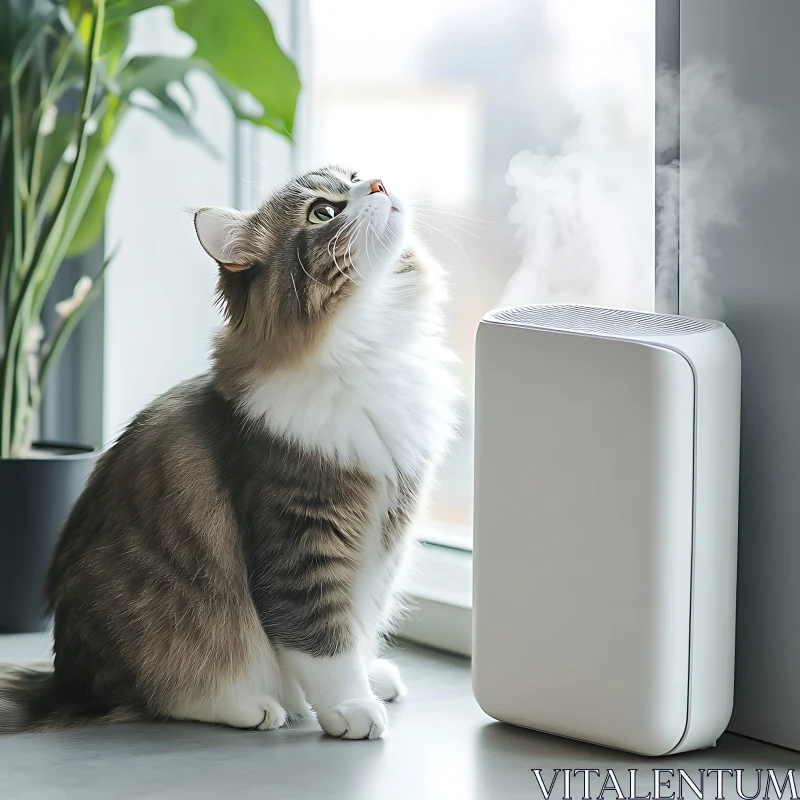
x: 220, y: 233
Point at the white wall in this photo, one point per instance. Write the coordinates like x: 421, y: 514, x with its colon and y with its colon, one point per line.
x: 159, y: 309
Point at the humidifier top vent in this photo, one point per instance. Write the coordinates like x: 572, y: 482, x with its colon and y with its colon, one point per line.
x: 600, y: 321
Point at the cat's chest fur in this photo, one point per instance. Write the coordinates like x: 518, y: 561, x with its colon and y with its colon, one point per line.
x: 377, y: 397
x: 376, y: 394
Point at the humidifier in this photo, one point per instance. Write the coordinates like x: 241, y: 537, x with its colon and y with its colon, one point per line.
x: 605, y: 524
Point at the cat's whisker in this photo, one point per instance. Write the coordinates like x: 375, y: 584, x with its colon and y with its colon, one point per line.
x: 421, y: 217
x: 287, y: 132
x: 348, y: 253
x: 383, y: 244
x: 450, y: 236
x: 300, y: 261
x: 334, y: 241
x: 433, y: 209
x: 380, y: 239
x: 332, y: 247
x: 366, y: 244
x: 343, y: 273
x: 348, y: 249
x: 290, y: 173
x: 300, y: 308
x: 374, y: 233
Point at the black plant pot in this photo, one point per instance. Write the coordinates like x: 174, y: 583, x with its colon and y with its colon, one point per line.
x: 36, y: 495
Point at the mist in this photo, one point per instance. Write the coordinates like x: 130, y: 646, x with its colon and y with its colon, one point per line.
x: 723, y: 148
x: 586, y: 212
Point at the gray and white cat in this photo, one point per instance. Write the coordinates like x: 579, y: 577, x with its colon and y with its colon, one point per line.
x: 237, y: 554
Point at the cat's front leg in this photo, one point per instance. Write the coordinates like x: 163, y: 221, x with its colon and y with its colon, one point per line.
x: 338, y: 689
x: 384, y: 676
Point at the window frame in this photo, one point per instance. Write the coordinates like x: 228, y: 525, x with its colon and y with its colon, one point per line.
x: 440, y: 599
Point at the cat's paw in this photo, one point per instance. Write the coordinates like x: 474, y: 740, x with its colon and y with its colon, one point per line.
x: 386, y: 681
x: 273, y: 715
x: 254, y: 712
x: 355, y: 719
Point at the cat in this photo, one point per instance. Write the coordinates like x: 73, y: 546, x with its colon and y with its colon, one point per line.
x: 237, y: 555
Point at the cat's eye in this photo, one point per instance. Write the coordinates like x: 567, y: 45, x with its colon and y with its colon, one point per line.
x: 323, y: 212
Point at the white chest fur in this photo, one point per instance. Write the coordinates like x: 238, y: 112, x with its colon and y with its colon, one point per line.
x: 377, y: 393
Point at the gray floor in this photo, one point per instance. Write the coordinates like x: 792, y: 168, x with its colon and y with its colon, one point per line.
x: 440, y: 746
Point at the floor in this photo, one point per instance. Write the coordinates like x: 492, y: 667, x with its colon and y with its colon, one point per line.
x: 441, y: 745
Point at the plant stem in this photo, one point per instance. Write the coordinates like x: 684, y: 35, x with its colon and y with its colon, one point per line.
x: 22, y: 408
x: 5, y: 268
x: 18, y: 172
x: 5, y: 133
x: 7, y: 401
x: 52, y: 186
x: 49, y: 99
x: 6, y: 189
x: 47, y: 241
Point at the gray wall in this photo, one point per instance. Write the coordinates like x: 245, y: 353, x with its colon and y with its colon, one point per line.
x: 72, y: 403
x: 757, y: 277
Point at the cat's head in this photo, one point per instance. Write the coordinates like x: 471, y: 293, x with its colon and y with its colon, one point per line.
x: 310, y: 246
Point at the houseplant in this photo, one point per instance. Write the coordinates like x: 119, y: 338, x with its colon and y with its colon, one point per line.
x: 67, y: 81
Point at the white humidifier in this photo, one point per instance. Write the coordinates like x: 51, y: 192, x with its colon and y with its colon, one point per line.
x: 606, y: 495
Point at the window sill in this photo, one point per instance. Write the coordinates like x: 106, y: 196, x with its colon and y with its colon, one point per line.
x: 441, y: 591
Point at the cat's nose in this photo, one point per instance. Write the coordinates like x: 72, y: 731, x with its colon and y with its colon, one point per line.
x: 377, y: 186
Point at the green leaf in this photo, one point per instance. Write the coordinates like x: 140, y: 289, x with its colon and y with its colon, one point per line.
x: 91, y: 224
x: 236, y: 38
x: 56, y: 142
x: 115, y: 40
x: 122, y: 9
x: 91, y: 192
x: 21, y: 24
x: 76, y: 7
x: 89, y: 178
x: 181, y: 125
x: 154, y: 75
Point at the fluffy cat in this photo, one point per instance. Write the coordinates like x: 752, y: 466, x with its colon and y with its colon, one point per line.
x: 236, y: 555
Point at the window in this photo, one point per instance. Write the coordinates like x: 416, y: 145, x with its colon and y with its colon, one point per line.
x: 522, y: 132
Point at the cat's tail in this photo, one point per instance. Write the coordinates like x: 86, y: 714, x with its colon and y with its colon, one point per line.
x: 32, y: 699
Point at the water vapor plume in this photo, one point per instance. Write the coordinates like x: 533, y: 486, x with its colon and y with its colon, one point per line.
x: 586, y: 213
